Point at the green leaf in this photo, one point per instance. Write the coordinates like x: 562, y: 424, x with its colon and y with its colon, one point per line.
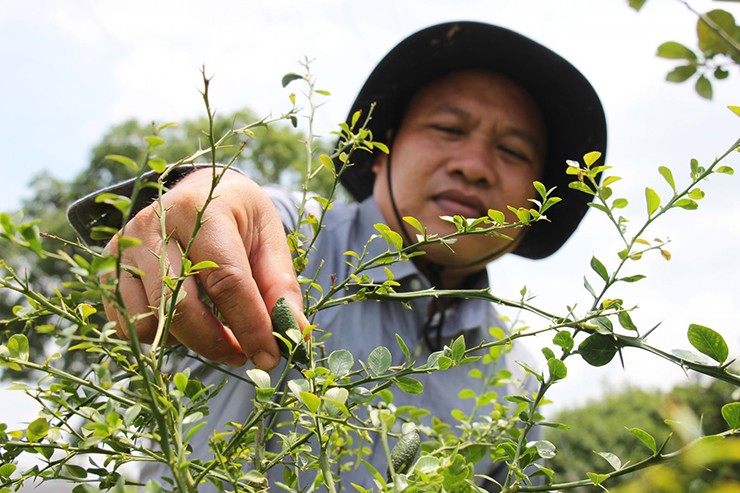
x: 708, y: 342
x: 158, y: 165
x: 341, y: 362
x: 260, y: 378
x: 312, y: 401
x: 635, y: 278
x: 599, y: 268
x: 675, y: 51
x: 564, y: 340
x: 653, y: 201
x: 458, y: 348
x: 379, y: 360
x: 612, y: 459
x: 704, y: 87
x: 7, y: 469
x: 668, y: 175
x: 620, y: 203
x: 126, y: 161
x: 545, y: 449
x: 409, y: 385
x: 646, y: 438
x: 580, y: 186
x: 557, y: 368
x: 18, y: 347
x: 731, y: 413
x: 181, y: 382
x: 404, y: 347
x: 681, y: 73
x: 76, y: 471
x: 687, y: 204
x: 626, y: 321
x: 596, y: 478
x: 290, y: 77
x: 414, y: 223
x: 597, y: 349
x: 37, y: 429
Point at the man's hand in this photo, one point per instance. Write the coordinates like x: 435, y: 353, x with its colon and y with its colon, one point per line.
x: 243, y: 234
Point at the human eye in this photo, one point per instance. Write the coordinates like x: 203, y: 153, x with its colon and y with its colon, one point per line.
x: 516, y: 153
x: 446, y: 128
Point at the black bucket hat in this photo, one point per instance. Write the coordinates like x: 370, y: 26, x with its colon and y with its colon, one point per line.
x: 573, y: 114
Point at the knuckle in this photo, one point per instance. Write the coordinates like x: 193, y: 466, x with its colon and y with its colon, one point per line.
x: 223, y: 282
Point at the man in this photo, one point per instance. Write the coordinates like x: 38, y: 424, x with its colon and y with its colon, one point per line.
x: 473, y: 114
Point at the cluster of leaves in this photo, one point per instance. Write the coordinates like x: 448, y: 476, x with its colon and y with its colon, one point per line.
x: 717, y: 51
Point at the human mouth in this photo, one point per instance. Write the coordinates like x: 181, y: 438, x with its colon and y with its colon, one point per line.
x: 456, y: 203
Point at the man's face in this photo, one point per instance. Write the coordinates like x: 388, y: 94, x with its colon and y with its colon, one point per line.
x: 469, y: 142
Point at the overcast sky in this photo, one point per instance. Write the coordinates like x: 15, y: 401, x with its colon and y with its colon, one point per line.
x: 74, y: 68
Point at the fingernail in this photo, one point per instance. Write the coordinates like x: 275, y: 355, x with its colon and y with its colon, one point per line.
x: 237, y: 360
x: 264, y: 361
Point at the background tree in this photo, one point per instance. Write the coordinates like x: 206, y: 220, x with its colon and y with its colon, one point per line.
x: 603, y: 426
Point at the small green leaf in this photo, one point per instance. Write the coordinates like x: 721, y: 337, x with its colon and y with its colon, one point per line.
x: 598, y: 349
x: 635, y: 278
x: 675, y: 51
x: 681, y: 73
x: 18, y: 347
x: 260, y: 378
x: 596, y: 478
x: 557, y: 368
x: 409, y: 385
x: 564, y: 340
x: 379, y: 360
x: 37, y: 429
x: 668, y: 175
x: 158, y: 165
x: 599, y: 268
x: 181, y: 382
x: 620, y: 203
x: 290, y: 77
x: 404, y: 347
x: 126, y: 161
x: 646, y: 438
x: 687, y: 204
x: 7, y: 469
x: 653, y: 201
x: 341, y: 362
x: 545, y: 449
x: 731, y: 413
x: 626, y: 321
x: 704, y: 87
x: 414, y: 223
x: 612, y: 459
x: 312, y: 401
x: 708, y: 342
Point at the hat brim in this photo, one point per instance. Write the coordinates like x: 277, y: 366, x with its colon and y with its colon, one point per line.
x: 573, y: 114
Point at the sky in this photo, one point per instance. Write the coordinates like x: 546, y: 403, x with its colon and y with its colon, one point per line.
x: 74, y: 68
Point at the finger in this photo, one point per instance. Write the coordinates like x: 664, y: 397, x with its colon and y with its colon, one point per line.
x: 273, y: 270
x: 234, y: 291
x: 195, y: 324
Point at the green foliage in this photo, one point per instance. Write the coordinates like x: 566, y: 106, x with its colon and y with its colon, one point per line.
x: 717, y: 51
x: 628, y: 424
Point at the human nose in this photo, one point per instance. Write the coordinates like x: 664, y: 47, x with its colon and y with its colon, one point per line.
x: 474, y: 163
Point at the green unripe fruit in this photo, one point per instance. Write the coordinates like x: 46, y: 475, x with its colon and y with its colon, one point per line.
x: 285, y: 324
x: 404, y: 452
